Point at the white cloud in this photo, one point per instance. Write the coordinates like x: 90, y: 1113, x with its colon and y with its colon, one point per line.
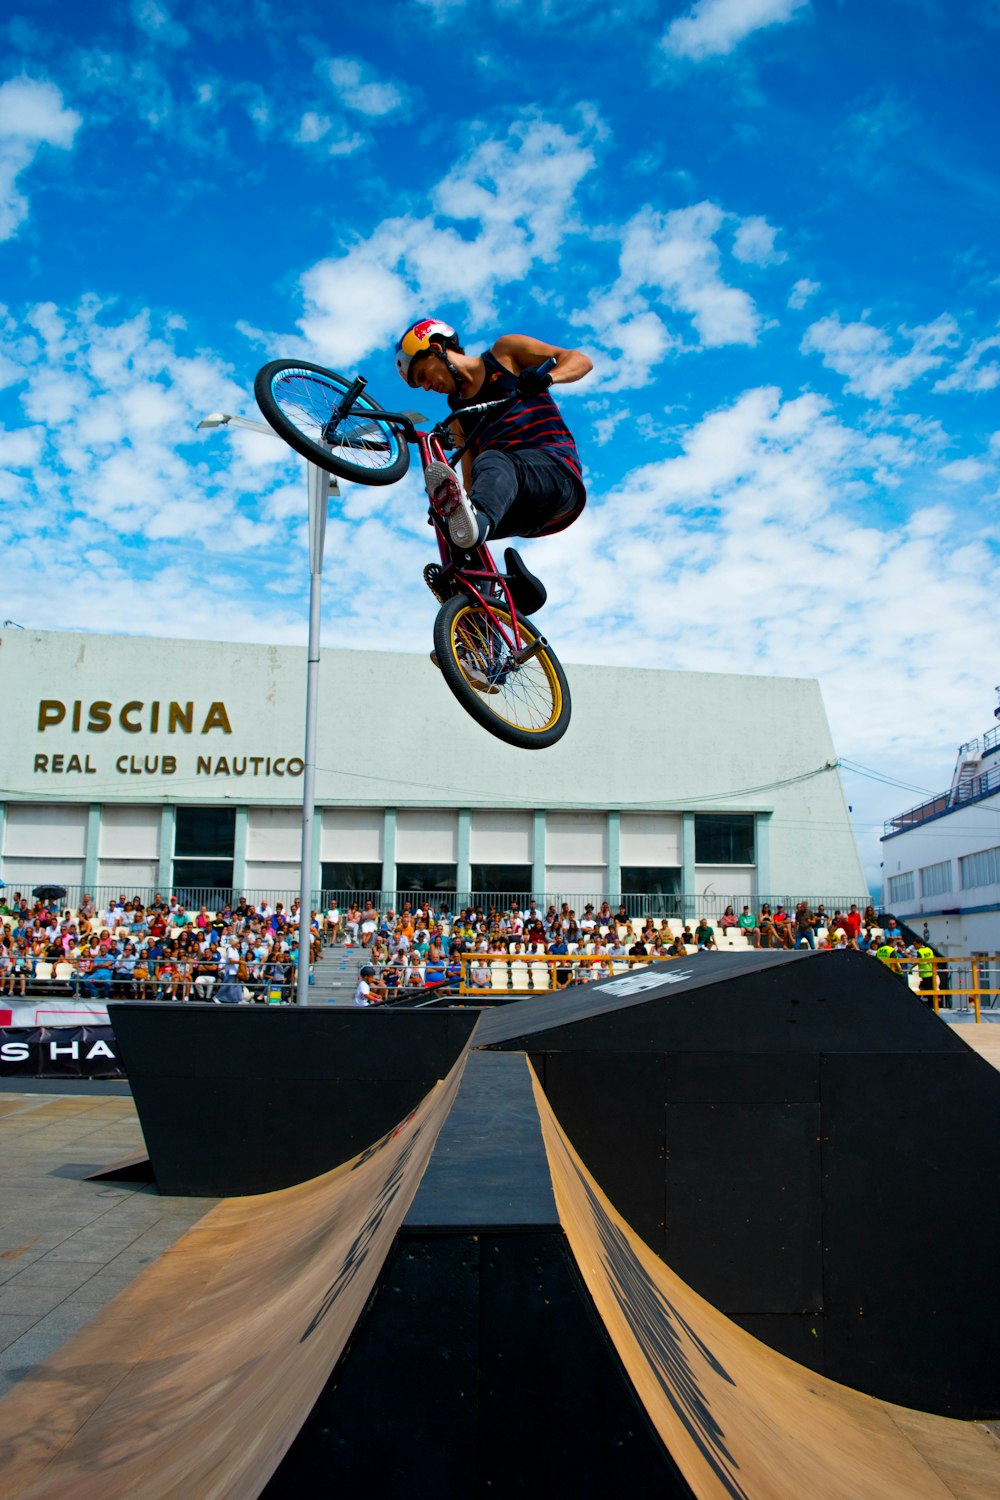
x: 517, y: 194
x: 964, y: 471
x: 675, y: 255
x: 359, y: 89
x: 315, y: 129
x: 312, y: 127
x: 712, y: 28
x: 972, y: 373
x: 801, y: 292
x: 864, y: 353
x: 32, y: 114
x: 154, y: 19
x: 754, y: 243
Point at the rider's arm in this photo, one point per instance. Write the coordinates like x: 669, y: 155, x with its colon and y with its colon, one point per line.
x: 518, y: 352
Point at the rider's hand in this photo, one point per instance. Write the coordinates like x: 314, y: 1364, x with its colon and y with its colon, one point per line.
x: 532, y: 382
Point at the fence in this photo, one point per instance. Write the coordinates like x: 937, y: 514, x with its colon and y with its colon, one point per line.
x: 959, y: 984
x: 676, y: 906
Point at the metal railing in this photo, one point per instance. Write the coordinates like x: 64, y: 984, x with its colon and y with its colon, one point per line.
x: 985, y: 784
x: 676, y: 906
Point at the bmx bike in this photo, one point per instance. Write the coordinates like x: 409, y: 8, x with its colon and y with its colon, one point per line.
x: 493, y: 658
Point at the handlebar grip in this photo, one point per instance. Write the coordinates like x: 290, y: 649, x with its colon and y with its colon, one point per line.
x: 546, y: 366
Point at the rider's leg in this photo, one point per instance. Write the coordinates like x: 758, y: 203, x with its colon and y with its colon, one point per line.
x: 521, y: 492
x: 514, y: 493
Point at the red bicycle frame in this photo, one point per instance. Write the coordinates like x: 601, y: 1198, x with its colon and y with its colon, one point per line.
x: 482, y: 569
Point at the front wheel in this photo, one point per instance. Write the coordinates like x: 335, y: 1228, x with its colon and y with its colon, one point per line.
x: 526, y: 703
x: 302, y: 404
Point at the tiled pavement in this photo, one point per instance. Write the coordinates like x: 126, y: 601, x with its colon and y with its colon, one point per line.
x: 67, y: 1246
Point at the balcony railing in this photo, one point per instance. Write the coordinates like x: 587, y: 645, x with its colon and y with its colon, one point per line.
x: 986, y: 784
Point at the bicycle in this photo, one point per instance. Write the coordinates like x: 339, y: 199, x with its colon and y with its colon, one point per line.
x: 501, y: 669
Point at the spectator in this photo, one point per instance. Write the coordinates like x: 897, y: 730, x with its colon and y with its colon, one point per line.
x: 747, y: 924
x: 728, y: 919
x: 805, y: 922
x: 705, y: 936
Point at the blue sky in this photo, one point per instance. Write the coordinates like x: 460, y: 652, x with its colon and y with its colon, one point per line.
x: 772, y: 223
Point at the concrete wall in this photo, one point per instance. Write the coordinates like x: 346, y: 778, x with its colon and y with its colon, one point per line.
x: 89, y: 725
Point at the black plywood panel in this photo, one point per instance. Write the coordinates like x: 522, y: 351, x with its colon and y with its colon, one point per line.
x: 912, y: 1221
x: 799, y: 1338
x: 245, y: 1099
x: 398, y: 1418
x: 752, y: 1078
x: 479, y: 1370
x: 612, y: 1111
x: 558, y: 1415
x: 743, y: 1214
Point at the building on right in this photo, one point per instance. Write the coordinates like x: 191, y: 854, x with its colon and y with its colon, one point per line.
x: 941, y: 859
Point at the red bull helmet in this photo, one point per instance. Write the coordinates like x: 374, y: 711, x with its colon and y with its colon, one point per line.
x: 419, y: 338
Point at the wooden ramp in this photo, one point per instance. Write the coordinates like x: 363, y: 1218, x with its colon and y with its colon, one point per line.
x: 194, y: 1381
x: 740, y: 1420
x: 520, y: 1294
x: 984, y: 1039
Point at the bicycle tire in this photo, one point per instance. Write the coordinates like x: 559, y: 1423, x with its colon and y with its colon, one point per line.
x: 528, y: 705
x: 299, y: 399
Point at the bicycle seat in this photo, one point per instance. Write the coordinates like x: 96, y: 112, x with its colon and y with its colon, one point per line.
x: 527, y: 591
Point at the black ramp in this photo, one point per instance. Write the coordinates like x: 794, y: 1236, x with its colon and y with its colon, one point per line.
x: 248, y: 1099
x: 480, y: 1367
x: 806, y: 1144
x: 625, y: 992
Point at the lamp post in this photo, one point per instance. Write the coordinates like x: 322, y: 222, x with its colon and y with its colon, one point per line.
x: 321, y: 487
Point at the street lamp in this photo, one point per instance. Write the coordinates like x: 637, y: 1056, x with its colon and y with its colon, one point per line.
x: 321, y: 487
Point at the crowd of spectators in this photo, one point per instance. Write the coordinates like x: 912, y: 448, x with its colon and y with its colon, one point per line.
x: 161, y: 951
x: 249, y: 951
x: 426, y: 946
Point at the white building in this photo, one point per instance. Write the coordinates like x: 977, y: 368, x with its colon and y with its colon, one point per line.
x: 941, y: 859
x: 151, y: 765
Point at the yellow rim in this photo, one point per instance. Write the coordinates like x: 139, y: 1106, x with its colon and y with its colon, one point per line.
x: 529, y: 697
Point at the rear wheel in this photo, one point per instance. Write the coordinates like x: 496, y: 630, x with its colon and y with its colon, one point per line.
x: 525, y: 703
x: 301, y: 403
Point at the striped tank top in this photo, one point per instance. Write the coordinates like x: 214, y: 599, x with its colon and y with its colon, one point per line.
x: 535, y: 422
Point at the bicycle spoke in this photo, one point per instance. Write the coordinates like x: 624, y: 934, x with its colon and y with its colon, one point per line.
x: 310, y: 403
x: 524, y: 695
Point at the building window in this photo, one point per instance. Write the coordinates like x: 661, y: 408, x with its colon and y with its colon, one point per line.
x: 650, y: 889
x: 205, y: 832
x: 935, y: 880
x: 723, y: 838
x: 511, y: 882
x: 204, y: 840
x: 979, y: 869
x: 423, y: 879
x: 901, y: 887
x: 348, y: 880
x: 201, y: 882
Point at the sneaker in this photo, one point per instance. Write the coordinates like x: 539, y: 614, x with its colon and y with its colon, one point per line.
x: 444, y: 488
x: 473, y: 676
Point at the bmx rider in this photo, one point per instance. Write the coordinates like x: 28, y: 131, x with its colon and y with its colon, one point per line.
x: 522, y: 471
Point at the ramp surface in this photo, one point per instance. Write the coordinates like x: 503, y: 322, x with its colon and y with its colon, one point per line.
x: 782, y: 1131
x: 741, y: 1421
x: 193, y: 1382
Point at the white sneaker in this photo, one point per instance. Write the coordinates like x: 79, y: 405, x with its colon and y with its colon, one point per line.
x: 443, y: 487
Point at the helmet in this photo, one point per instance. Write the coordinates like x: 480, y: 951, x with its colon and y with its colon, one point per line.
x: 366, y: 972
x: 418, y: 339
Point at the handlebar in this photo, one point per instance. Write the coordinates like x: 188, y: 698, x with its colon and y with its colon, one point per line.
x: 442, y: 431
x: 443, y: 428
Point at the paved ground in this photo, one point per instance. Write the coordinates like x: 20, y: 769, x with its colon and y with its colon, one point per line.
x: 67, y: 1246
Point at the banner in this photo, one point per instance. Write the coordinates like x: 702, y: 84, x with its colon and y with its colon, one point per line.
x: 59, y: 1052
